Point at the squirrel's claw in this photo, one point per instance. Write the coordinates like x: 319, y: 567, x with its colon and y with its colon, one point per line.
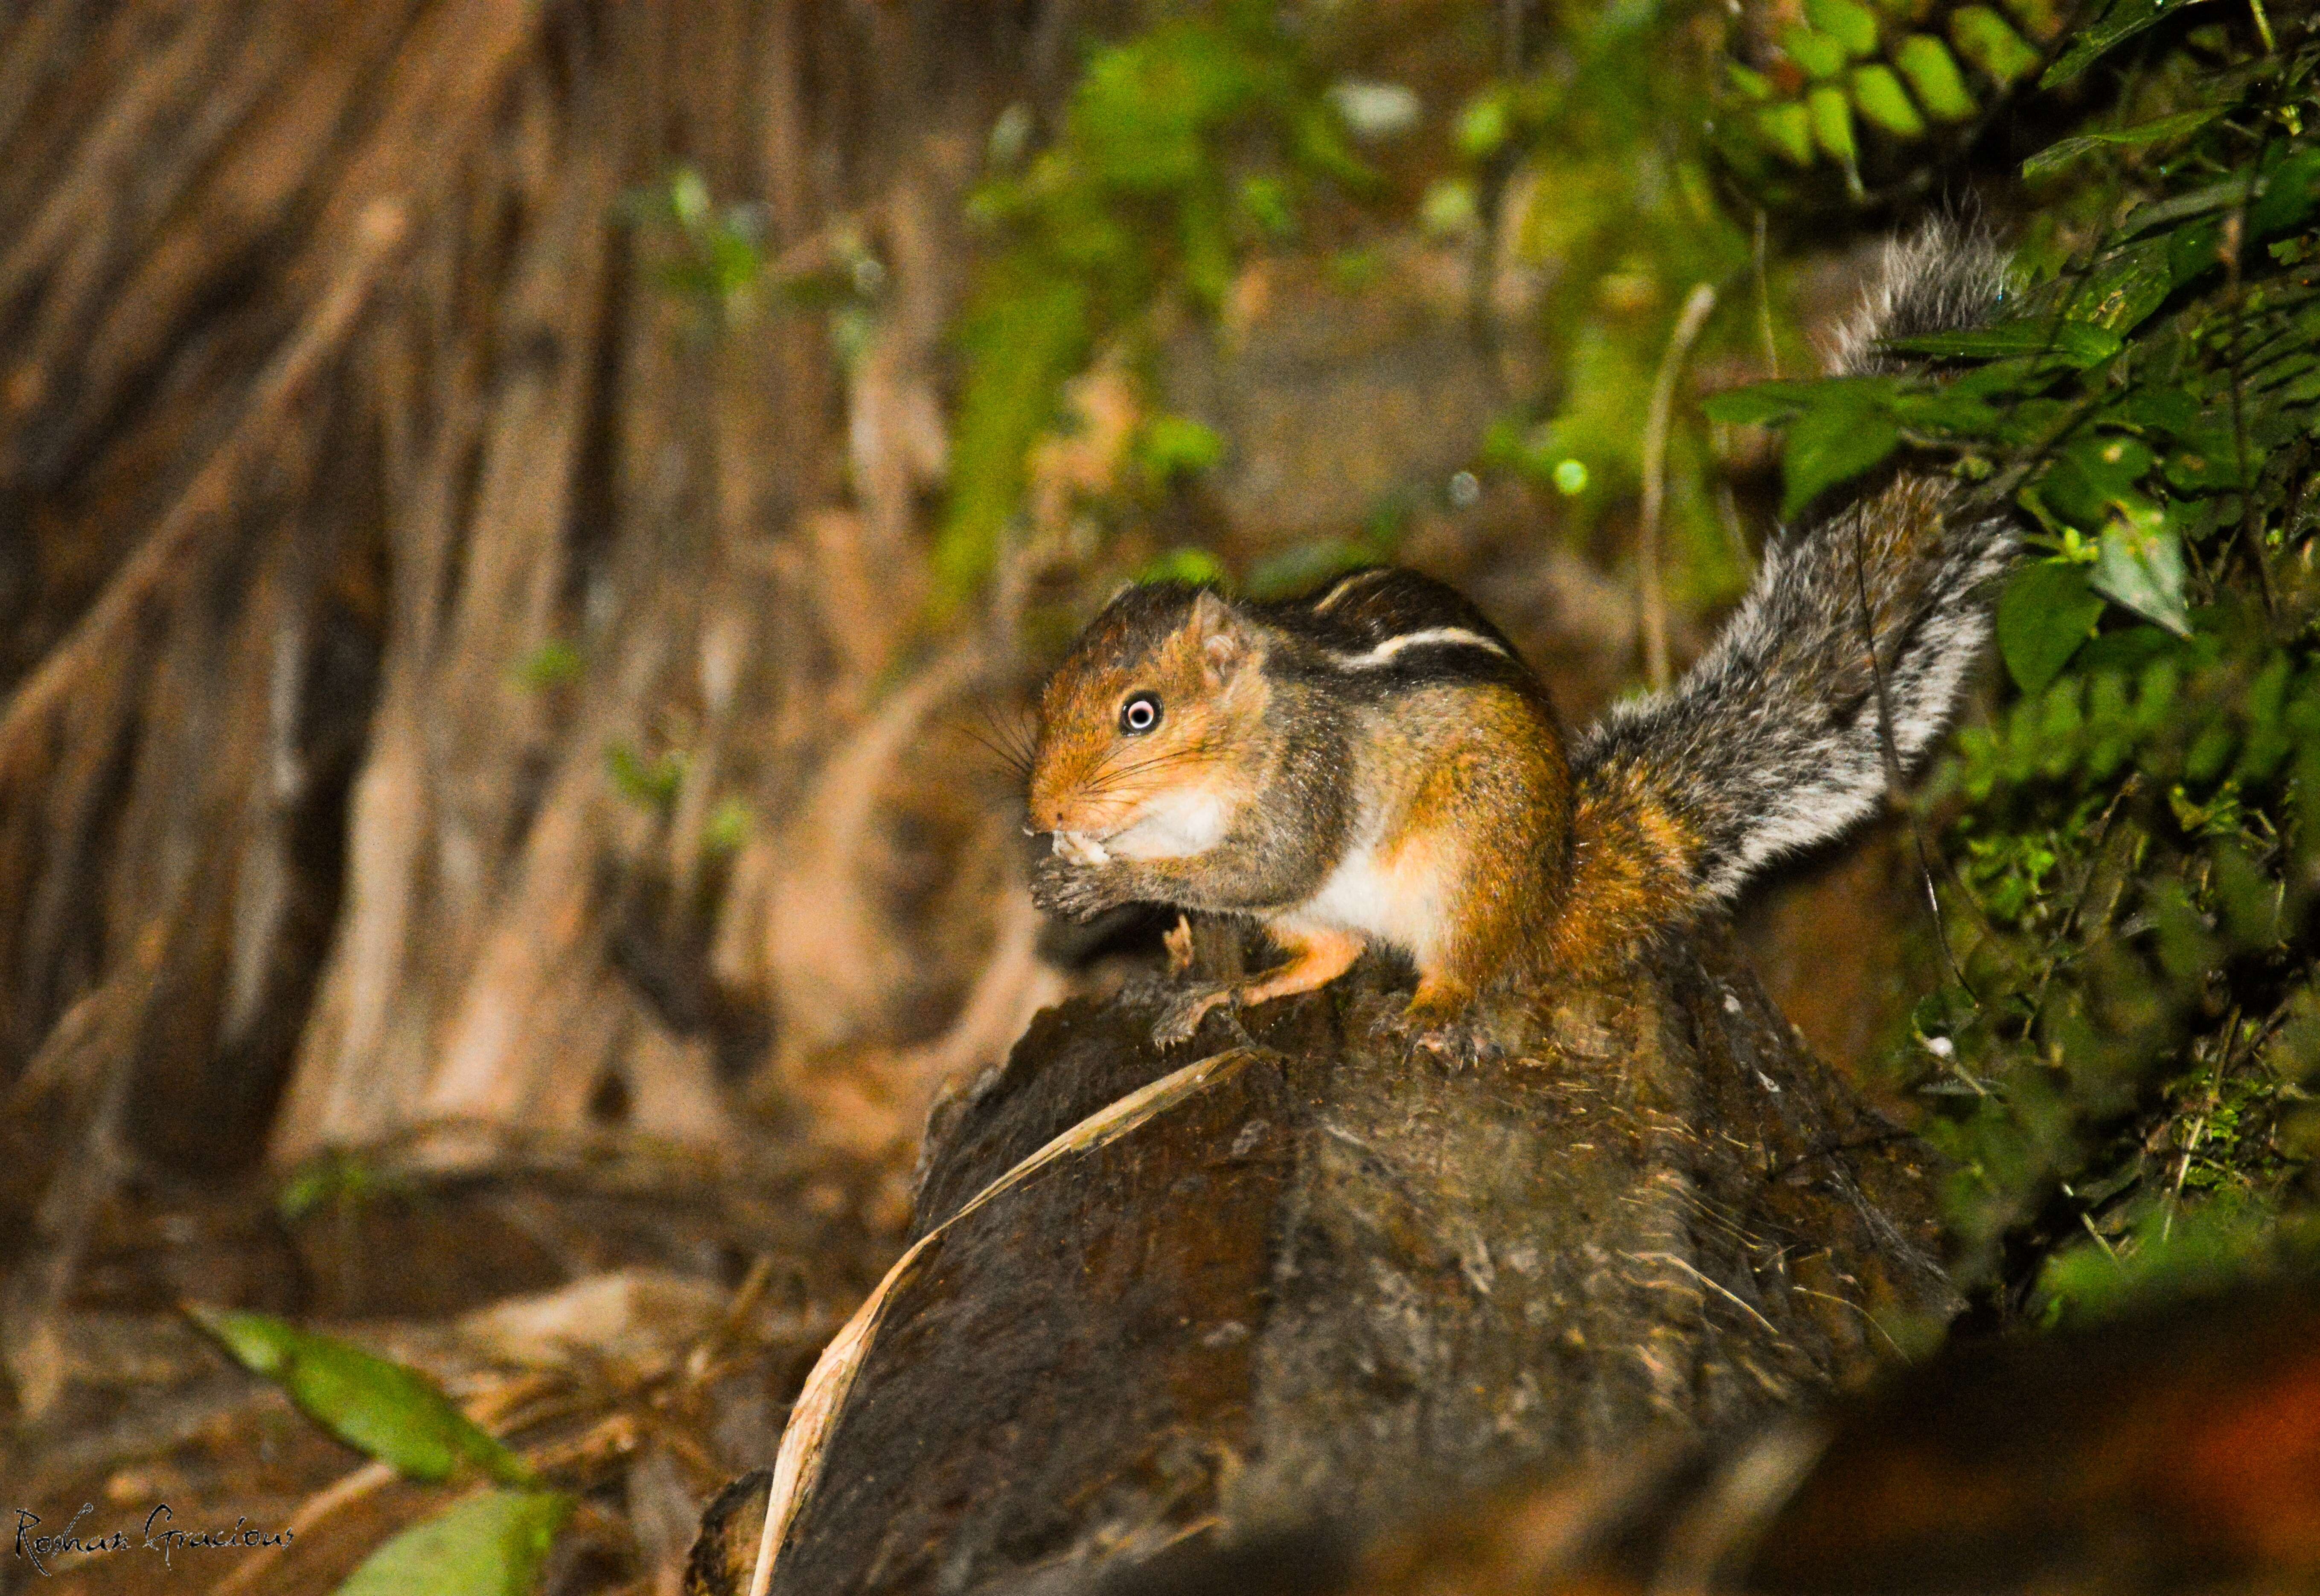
x: 1455, y: 1046
x: 1184, y: 1013
x: 1449, y: 1042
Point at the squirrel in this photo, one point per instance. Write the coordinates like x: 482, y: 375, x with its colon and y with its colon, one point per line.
x: 1373, y: 762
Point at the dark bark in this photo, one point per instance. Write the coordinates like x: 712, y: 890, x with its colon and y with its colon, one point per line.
x: 1338, y: 1284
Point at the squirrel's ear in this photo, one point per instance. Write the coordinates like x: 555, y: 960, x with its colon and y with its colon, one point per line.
x: 1223, y: 642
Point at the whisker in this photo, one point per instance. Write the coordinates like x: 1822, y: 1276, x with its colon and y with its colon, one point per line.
x: 1100, y: 780
x: 1015, y: 762
x: 1010, y: 740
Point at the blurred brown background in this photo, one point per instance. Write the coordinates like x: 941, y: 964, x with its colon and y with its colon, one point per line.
x: 479, y: 692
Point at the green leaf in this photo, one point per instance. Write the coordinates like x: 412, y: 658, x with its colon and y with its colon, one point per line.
x: 2205, y: 465
x: 1933, y: 76
x: 728, y: 827
x: 1760, y: 403
x: 2198, y: 202
x: 1208, y: 258
x: 1195, y: 568
x: 380, y: 1408
x: 1830, y: 445
x: 1451, y: 209
x: 553, y: 664
x: 2194, y: 250
x: 2078, y: 342
x: 1264, y: 201
x: 2124, y: 287
x: 1819, y: 55
x: 1484, y: 125
x: 1832, y: 121
x: 1948, y: 409
x: 648, y: 783
x: 2064, y: 151
x: 1175, y: 445
x: 2291, y: 192
x: 1983, y: 38
x: 2141, y: 564
x: 1852, y: 26
x: 2120, y: 23
x: 688, y: 198
x: 2093, y: 477
x: 491, y: 1545
x: 1884, y: 102
x: 2043, y: 617
x: 1320, y: 143
x: 2170, y: 411
x: 1787, y: 129
x: 1142, y: 110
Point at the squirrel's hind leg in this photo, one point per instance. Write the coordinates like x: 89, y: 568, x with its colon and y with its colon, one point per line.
x: 1317, y: 956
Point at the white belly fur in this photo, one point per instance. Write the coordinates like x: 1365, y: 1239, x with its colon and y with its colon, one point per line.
x: 1173, y: 826
x: 1386, y: 901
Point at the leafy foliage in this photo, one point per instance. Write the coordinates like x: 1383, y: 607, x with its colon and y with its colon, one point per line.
x: 1871, y: 91
x: 1181, y: 148
x: 2124, y: 1068
x: 1604, y: 184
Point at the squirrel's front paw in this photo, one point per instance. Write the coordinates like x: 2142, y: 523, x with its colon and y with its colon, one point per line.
x: 1184, y: 1011
x: 1060, y: 886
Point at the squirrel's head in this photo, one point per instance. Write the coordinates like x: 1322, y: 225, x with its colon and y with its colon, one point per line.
x: 1142, y: 726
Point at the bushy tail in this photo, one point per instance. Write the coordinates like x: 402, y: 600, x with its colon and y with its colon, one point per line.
x: 1775, y: 739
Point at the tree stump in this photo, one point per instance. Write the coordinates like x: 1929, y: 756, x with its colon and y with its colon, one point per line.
x: 1337, y: 1283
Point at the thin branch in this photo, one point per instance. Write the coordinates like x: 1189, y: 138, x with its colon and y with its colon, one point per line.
x: 1651, y: 604
x: 1764, y: 302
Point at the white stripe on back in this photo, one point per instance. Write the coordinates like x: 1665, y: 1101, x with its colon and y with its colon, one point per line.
x: 1346, y: 586
x: 1384, y: 652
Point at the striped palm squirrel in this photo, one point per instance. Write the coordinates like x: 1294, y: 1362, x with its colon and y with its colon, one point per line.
x: 1374, y: 763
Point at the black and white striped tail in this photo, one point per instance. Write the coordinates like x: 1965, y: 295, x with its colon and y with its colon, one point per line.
x: 1775, y: 741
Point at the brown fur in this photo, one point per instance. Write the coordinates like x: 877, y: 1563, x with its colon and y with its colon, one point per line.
x: 1372, y: 763
x: 1427, y: 805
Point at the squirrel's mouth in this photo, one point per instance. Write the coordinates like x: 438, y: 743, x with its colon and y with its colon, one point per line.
x: 1081, y: 849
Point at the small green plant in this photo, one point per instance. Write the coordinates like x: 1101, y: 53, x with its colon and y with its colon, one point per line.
x: 1173, y: 446
x: 649, y: 781
x: 553, y: 664
x: 728, y: 827
x: 338, y: 1180
x: 718, y: 258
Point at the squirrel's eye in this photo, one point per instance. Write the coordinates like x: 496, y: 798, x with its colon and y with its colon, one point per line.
x: 1140, y: 713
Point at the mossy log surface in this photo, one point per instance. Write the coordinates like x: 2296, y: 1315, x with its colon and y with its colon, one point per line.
x: 1339, y: 1284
